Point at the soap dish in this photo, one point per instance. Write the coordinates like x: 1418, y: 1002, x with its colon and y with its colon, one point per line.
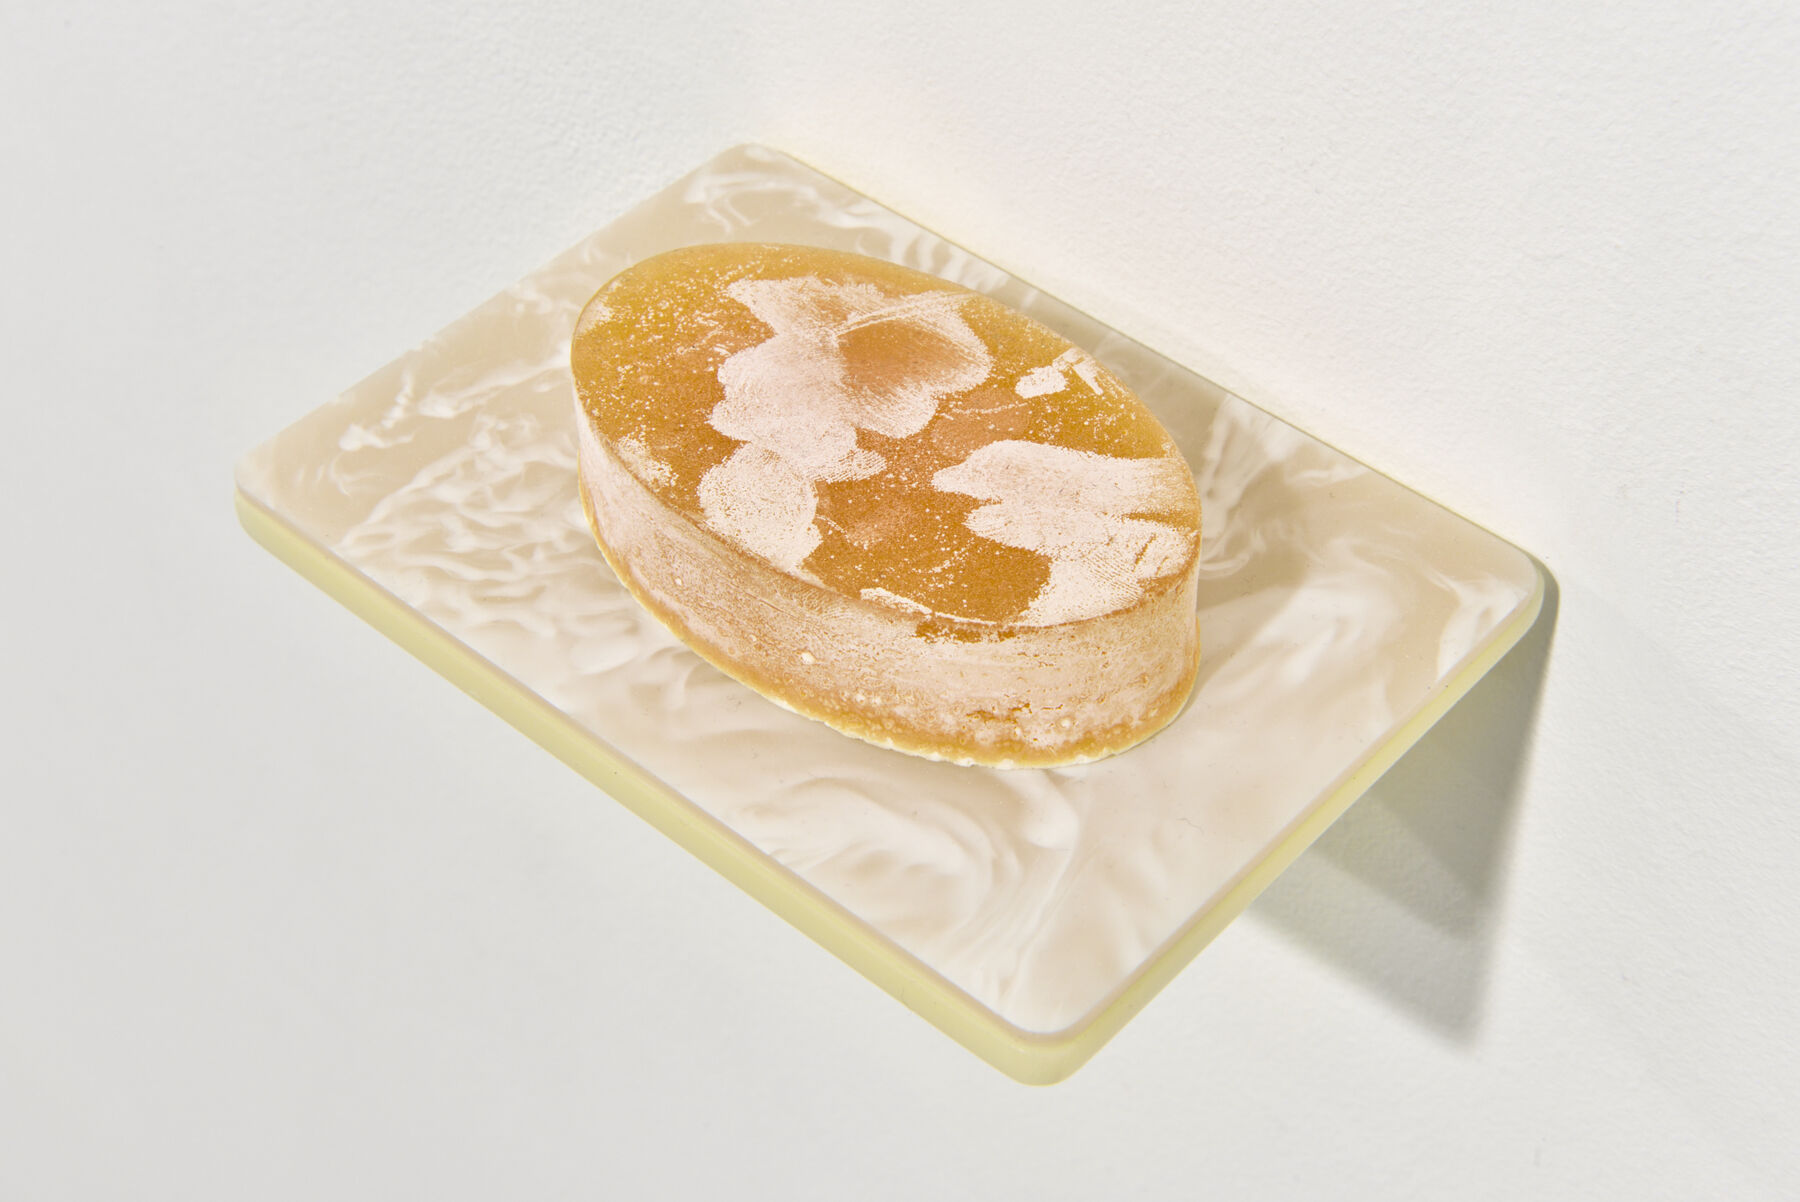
x: 1027, y: 913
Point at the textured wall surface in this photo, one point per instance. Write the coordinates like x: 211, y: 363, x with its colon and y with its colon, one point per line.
x: 284, y: 915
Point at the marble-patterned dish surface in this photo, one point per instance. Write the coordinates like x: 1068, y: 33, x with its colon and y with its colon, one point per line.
x: 1334, y: 605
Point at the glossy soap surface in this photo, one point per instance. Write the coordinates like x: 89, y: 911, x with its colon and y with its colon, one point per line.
x: 889, y: 502
x: 1339, y: 609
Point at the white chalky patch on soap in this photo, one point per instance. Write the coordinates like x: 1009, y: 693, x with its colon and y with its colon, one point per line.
x: 1073, y: 508
x: 1049, y: 379
x: 789, y: 402
x: 595, y: 314
x: 886, y: 597
x: 759, y: 502
x: 1089, y: 371
x: 644, y: 465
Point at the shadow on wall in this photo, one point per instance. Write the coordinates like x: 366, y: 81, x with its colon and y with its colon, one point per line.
x: 1403, y: 891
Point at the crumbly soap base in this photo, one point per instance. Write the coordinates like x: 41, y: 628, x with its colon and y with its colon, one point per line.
x: 715, y: 587
x: 1027, y: 913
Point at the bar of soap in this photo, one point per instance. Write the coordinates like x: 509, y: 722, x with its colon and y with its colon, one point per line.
x: 889, y: 503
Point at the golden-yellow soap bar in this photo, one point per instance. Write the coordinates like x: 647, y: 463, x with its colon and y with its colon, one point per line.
x: 889, y: 503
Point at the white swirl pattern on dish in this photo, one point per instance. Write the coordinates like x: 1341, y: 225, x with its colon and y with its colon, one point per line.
x: 1328, y: 614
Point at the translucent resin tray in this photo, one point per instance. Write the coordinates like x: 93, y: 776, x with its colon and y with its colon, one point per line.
x: 1029, y: 914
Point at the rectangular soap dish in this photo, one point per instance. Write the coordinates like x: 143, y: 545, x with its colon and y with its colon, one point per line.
x: 1027, y: 913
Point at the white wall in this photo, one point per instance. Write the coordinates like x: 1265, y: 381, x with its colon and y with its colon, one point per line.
x: 283, y: 915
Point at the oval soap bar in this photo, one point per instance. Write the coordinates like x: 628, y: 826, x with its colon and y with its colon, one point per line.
x: 889, y: 503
